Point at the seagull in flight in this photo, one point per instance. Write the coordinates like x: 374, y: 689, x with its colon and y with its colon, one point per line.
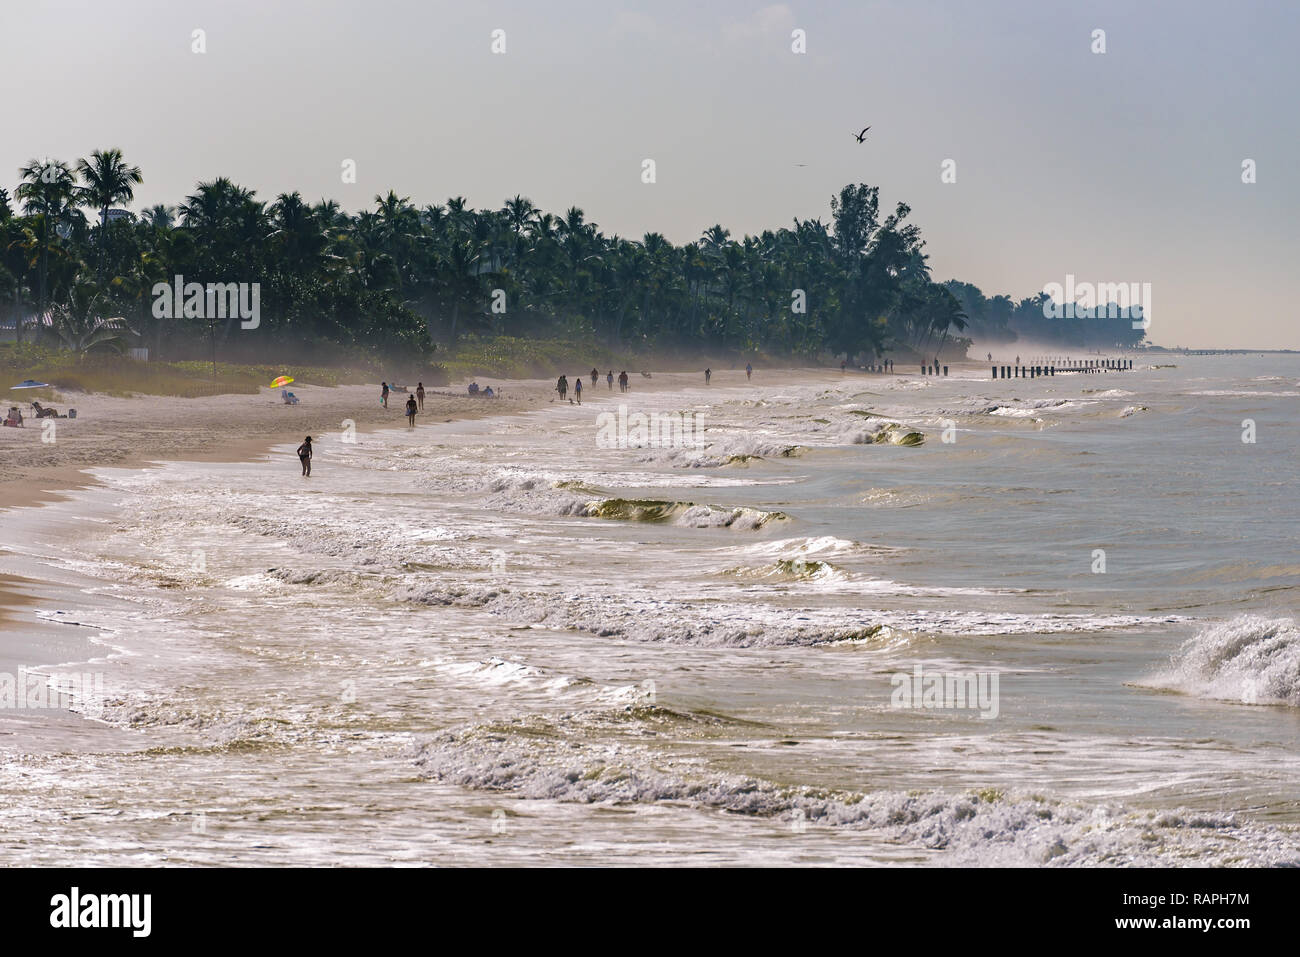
x: 861, y: 137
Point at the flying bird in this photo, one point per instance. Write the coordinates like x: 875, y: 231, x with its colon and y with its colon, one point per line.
x: 861, y: 137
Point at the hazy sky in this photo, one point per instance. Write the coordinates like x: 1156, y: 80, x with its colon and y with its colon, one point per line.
x: 1117, y: 167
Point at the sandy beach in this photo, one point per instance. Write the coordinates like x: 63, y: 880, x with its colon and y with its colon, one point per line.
x: 135, y: 432
x: 127, y: 432
x: 497, y: 618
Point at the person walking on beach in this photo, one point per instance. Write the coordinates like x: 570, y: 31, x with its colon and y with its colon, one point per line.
x: 843, y: 365
x: 304, y: 455
x: 595, y: 377
x: 749, y: 371
x: 708, y: 374
x: 577, y: 389
x: 411, y: 408
x: 609, y: 379
x: 622, y: 381
x: 419, y: 394
x: 562, y: 387
x: 383, y: 396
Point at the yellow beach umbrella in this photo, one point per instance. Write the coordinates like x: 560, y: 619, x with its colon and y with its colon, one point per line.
x: 281, y: 382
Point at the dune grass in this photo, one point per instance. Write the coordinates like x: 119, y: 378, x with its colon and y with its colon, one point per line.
x: 500, y: 357
x: 509, y: 357
x: 118, y: 375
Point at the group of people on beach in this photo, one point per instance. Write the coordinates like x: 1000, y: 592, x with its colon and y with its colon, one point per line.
x: 883, y: 365
x: 562, y: 383
x: 415, y: 402
x: 414, y: 405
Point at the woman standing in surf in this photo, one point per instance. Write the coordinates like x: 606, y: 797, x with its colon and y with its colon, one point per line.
x: 304, y: 455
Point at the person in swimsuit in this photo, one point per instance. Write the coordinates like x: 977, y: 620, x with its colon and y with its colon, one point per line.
x: 411, y: 408
x: 419, y: 394
x: 304, y: 455
x: 383, y: 396
x: 577, y: 389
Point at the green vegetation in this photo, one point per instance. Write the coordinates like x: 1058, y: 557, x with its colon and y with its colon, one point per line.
x: 510, y: 357
x: 999, y: 319
x: 509, y: 291
x: 399, y: 283
x: 114, y: 374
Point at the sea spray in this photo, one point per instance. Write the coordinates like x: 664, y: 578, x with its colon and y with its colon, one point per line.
x: 1250, y: 659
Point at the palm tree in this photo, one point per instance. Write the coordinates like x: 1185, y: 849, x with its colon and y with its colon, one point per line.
x: 297, y: 232
x: 78, y: 324
x: 947, y: 314
x: 519, y: 213
x: 108, y: 180
x: 460, y: 275
x: 715, y: 237
x: 159, y: 217
x: 458, y: 212
x: 48, y: 190
x: 14, y: 263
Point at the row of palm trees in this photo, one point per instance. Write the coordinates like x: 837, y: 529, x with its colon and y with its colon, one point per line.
x: 398, y: 276
x: 1000, y: 319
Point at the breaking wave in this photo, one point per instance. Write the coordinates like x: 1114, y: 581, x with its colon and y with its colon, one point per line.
x: 537, y: 758
x: 1250, y: 659
x: 793, y: 569
x: 687, y: 514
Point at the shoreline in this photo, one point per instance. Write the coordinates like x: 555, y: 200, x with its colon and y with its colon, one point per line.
x: 225, y: 428
x: 194, y: 702
x: 217, y: 429
x: 241, y: 427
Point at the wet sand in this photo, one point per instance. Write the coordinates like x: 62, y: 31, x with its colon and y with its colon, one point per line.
x: 131, y: 432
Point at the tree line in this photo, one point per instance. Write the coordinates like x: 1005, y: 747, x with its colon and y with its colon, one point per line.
x: 403, y: 279
x: 1001, y: 320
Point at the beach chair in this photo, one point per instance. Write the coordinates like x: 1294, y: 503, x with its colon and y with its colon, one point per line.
x: 290, y: 399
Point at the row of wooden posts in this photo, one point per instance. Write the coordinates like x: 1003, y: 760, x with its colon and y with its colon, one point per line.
x: 1068, y: 365
x: 1032, y: 371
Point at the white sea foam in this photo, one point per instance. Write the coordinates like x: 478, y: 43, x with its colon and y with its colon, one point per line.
x: 647, y: 616
x: 1250, y: 659
x: 541, y: 759
x: 515, y: 548
x: 805, y: 547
